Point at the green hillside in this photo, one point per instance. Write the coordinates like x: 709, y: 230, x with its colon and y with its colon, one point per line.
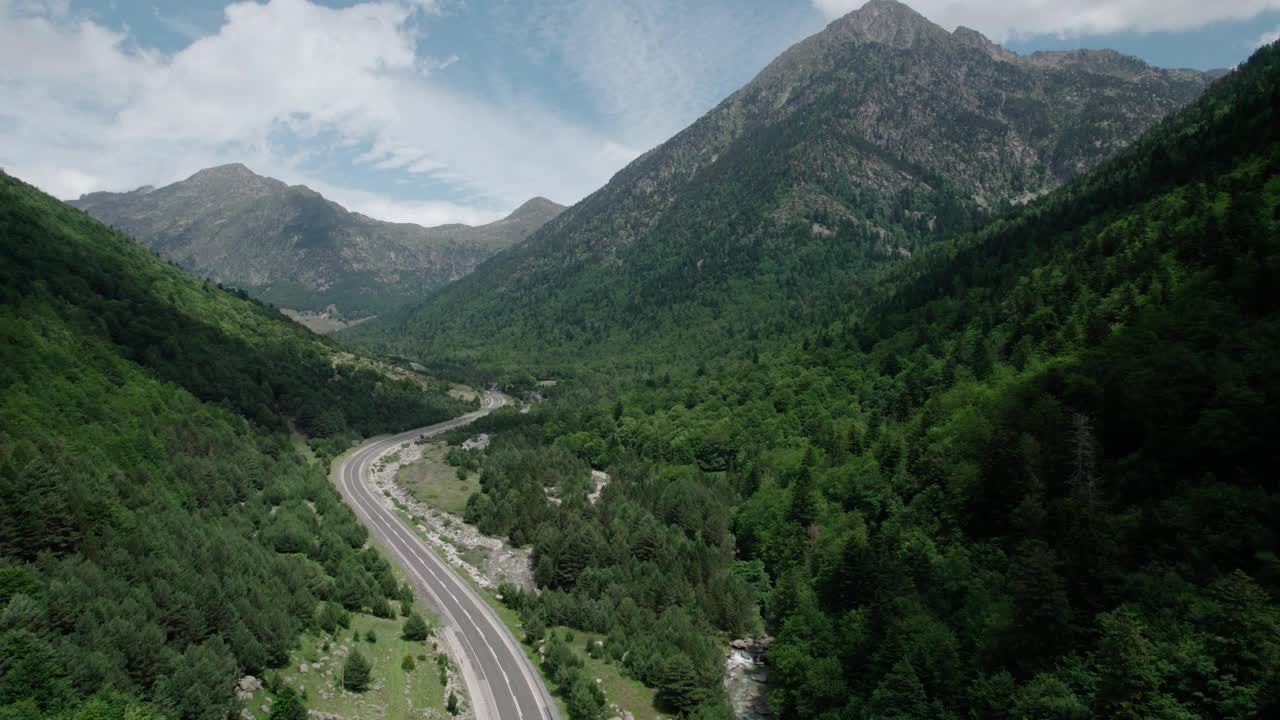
x: 1028, y: 473
x: 160, y: 536
x: 854, y: 149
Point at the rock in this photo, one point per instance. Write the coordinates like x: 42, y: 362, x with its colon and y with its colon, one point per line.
x: 479, y: 442
x: 264, y: 709
x: 739, y: 659
x: 303, y: 668
x: 249, y: 683
x: 600, y: 479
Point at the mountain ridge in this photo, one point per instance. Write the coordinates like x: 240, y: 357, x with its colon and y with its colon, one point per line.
x: 291, y: 246
x: 883, y: 131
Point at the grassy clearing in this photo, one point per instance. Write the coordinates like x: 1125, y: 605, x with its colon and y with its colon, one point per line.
x: 624, y: 692
x: 299, y: 442
x: 627, y: 694
x: 392, y: 693
x: 434, y: 482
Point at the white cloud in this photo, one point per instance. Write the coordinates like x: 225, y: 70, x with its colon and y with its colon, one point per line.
x: 1001, y: 19
x: 1269, y: 37
x: 82, y: 108
x: 426, y: 212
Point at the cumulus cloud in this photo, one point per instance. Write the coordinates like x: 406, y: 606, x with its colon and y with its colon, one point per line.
x: 1001, y: 19
x: 83, y: 108
x: 1269, y: 37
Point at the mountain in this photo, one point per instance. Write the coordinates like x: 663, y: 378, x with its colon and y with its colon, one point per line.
x: 1027, y: 472
x: 289, y: 246
x: 161, y: 534
x: 856, y: 146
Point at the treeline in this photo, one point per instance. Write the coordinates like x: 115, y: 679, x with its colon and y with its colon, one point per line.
x: 1028, y: 474
x: 160, y: 536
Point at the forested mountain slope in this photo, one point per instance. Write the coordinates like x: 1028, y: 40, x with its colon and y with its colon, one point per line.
x: 289, y: 246
x: 1029, y: 474
x: 159, y: 534
x: 856, y: 146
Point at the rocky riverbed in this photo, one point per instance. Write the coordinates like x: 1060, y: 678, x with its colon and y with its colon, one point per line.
x: 746, y: 678
x: 487, y: 560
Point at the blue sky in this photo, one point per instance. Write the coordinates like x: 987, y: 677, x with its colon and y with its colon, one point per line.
x: 438, y: 111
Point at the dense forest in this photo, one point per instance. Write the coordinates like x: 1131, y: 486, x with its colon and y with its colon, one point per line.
x: 1023, y: 474
x: 1017, y: 471
x: 160, y: 534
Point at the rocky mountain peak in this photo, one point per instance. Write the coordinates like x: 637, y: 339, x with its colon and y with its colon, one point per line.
x: 535, y: 206
x: 233, y: 178
x: 888, y: 22
x: 228, y: 171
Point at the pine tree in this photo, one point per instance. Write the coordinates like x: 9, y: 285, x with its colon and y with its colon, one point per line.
x: 585, y: 701
x: 1130, y: 672
x: 803, y: 508
x: 534, y: 629
x: 288, y: 706
x: 1042, y: 609
x: 900, y: 695
x: 355, y: 673
x: 677, y: 683
x: 415, y: 628
x: 1244, y: 632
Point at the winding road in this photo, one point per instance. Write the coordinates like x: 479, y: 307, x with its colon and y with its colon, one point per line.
x: 500, y: 679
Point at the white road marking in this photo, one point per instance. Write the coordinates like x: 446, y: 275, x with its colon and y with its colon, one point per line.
x: 351, y: 474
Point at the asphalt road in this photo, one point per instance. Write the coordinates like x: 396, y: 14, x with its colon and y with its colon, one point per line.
x: 501, y: 681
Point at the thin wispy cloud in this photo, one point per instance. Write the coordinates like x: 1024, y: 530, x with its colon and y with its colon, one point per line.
x: 421, y: 110
x: 1002, y: 19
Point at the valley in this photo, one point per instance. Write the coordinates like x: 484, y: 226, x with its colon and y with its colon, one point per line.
x: 322, y: 323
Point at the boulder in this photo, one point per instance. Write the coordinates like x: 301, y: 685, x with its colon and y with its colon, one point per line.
x: 249, y: 683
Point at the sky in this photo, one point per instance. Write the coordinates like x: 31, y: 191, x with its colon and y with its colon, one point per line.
x: 437, y: 111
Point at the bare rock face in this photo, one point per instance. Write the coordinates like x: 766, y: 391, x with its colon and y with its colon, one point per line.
x: 290, y: 246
